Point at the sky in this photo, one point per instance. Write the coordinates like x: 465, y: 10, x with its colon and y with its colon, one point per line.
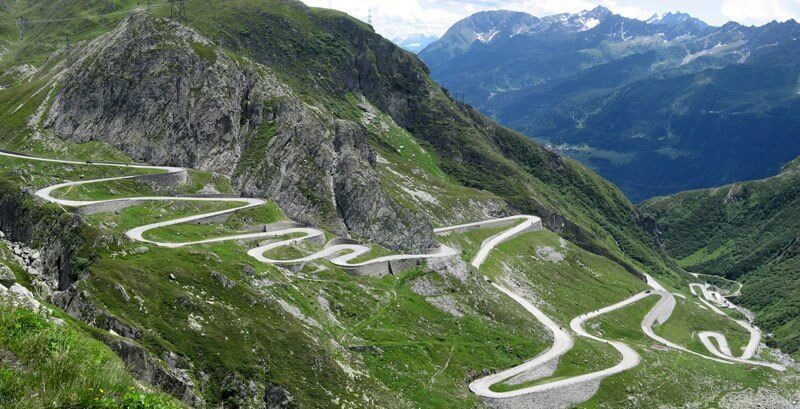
x: 394, y: 18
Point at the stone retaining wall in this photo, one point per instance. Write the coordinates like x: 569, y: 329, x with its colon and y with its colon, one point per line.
x: 107, y: 207
x: 551, y: 399
x: 495, y: 223
x: 541, y: 371
x: 165, y: 179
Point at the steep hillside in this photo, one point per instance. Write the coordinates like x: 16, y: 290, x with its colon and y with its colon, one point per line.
x: 210, y: 324
x: 287, y: 256
x: 39, y: 346
x: 280, y: 77
x: 745, y: 231
x: 655, y: 106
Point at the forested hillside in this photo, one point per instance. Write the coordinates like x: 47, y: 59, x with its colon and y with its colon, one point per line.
x: 747, y: 231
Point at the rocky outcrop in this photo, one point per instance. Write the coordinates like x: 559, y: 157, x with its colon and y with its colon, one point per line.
x: 159, y: 92
x: 121, y: 338
x: 226, y: 282
x: 57, y: 234
x: 277, y: 397
x: 147, y: 368
x: 322, y: 172
x: 166, y: 95
x: 6, y: 276
x: 59, y: 240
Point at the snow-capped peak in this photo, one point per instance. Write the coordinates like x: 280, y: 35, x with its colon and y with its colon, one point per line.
x: 673, y: 18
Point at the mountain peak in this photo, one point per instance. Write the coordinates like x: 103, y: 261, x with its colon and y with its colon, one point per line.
x: 582, y: 21
x: 676, y: 18
x: 487, y: 26
x: 598, y: 12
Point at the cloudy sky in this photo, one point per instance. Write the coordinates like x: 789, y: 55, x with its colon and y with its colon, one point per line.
x: 398, y: 17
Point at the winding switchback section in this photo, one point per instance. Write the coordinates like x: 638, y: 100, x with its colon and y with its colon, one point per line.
x: 563, y: 342
x: 351, y: 251
x: 343, y: 254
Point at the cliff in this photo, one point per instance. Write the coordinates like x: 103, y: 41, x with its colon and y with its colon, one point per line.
x: 163, y: 94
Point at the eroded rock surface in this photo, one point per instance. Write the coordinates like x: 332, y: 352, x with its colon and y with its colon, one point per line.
x: 165, y: 95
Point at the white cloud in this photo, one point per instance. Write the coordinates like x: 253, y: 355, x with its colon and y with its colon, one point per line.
x: 761, y: 11
x: 628, y: 10
x: 393, y: 18
x: 398, y: 17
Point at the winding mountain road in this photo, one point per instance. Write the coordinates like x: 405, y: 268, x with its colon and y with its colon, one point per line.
x: 343, y: 254
x: 351, y: 251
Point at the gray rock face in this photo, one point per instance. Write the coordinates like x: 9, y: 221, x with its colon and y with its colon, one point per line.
x: 165, y: 95
x: 147, y: 368
x: 58, y: 236
x: 322, y: 172
x: 362, y: 205
x: 6, y: 276
x: 277, y: 397
x: 143, y: 89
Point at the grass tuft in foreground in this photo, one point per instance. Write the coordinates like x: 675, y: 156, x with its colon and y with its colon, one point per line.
x: 42, y: 364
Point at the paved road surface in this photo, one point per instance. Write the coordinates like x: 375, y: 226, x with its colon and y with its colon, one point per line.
x: 343, y: 254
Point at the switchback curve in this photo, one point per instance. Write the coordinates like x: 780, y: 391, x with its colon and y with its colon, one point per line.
x: 343, y: 254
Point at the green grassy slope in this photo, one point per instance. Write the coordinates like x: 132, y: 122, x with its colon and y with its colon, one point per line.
x: 315, y: 52
x: 42, y: 363
x: 747, y: 231
x: 410, y: 340
x: 579, y: 282
x: 327, y: 338
x: 671, y: 378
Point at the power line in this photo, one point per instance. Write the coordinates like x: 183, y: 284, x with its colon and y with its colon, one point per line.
x: 21, y: 22
x: 68, y: 51
x: 24, y: 21
x: 177, y: 9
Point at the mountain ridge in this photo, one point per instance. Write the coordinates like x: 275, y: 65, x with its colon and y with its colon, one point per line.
x: 331, y: 133
x: 661, y: 85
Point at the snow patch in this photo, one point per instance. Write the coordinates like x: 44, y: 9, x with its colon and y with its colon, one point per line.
x: 589, y: 24
x: 691, y: 57
x: 486, y: 37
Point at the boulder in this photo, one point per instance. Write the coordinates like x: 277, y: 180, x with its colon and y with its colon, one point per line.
x: 22, y: 297
x: 6, y: 276
x: 226, y: 282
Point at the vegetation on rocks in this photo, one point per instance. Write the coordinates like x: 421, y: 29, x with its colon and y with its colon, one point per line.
x: 45, y: 361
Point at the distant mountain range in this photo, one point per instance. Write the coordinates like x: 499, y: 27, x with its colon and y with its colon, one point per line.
x: 657, y: 106
x: 414, y: 42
